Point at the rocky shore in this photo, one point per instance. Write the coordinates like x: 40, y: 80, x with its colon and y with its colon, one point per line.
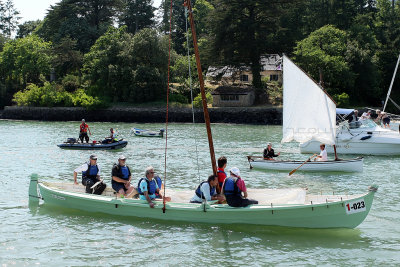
x: 247, y: 115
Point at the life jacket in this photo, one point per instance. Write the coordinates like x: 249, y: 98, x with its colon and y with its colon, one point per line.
x: 151, y: 187
x: 123, y: 172
x: 83, y: 128
x: 91, y: 172
x: 230, y: 187
x: 200, y: 194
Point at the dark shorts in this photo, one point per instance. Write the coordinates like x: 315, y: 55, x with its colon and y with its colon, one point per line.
x: 237, y: 201
x: 386, y: 121
x: 118, y: 186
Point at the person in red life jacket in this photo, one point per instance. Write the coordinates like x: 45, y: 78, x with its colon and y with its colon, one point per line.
x: 235, y: 190
x: 83, y: 128
x: 222, y: 161
x: 207, y: 191
x: 121, y: 178
x: 90, y: 176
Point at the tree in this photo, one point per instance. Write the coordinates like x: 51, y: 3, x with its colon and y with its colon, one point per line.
x: 243, y: 30
x: 66, y: 58
x: 8, y: 18
x: 27, y: 28
x: 137, y: 14
x: 24, y: 61
x: 325, y: 50
x: 83, y: 21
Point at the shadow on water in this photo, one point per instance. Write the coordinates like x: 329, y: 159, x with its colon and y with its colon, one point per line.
x: 225, y: 235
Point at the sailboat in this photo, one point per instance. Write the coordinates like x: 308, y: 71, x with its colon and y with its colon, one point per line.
x: 293, y: 207
x: 309, y: 113
x: 366, y: 137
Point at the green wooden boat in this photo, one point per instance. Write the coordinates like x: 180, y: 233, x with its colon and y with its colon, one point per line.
x: 308, y: 211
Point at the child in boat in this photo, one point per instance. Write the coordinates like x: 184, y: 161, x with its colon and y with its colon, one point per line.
x: 222, y: 161
x: 323, y: 156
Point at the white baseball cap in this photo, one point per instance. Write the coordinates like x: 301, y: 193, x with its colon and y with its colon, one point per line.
x: 235, y: 171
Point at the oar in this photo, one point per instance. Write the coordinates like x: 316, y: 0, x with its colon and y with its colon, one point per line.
x: 290, y: 173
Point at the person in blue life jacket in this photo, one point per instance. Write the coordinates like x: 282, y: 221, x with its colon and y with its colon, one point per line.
x: 235, y: 190
x: 121, y: 178
x: 90, y: 176
x: 207, y: 190
x: 148, y: 187
x: 159, y: 184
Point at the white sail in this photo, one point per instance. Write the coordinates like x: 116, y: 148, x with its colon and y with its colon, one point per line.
x: 308, y: 112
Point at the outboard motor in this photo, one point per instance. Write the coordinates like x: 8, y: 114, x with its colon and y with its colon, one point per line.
x: 71, y: 140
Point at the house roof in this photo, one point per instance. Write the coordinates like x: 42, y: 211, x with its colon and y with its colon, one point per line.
x: 268, y: 62
x: 232, y: 90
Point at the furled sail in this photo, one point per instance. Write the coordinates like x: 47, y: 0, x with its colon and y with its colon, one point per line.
x: 308, y: 112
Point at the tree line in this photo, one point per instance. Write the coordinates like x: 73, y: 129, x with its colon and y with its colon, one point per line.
x: 94, y: 52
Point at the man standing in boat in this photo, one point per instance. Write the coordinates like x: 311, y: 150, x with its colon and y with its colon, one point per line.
x: 233, y: 188
x: 121, y: 178
x: 90, y: 176
x: 83, y: 128
x: 323, y: 156
x: 269, y: 152
x: 207, y: 190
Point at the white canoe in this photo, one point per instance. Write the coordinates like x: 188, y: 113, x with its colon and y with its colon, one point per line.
x: 147, y: 133
x: 345, y: 165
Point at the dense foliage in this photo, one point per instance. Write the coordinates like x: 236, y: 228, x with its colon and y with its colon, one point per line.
x: 102, y: 51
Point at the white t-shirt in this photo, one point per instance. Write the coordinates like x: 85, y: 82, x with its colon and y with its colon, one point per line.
x: 324, y: 155
x: 205, y: 189
x: 365, y: 116
x: 84, y: 167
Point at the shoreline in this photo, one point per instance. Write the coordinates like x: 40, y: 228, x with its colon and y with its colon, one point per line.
x: 238, y: 115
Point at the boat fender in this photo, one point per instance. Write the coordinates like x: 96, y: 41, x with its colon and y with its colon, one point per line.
x: 365, y: 137
x: 369, y: 132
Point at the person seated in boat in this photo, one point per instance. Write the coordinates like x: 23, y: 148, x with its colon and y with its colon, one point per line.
x: 354, y: 120
x: 121, y: 178
x: 222, y: 161
x: 385, y: 120
x: 269, y: 152
x: 378, y: 118
x: 323, y: 156
x: 235, y: 191
x: 148, y: 187
x: 90, y: 176
x: 83, y: 129
x: 207, y: 190
x: 112, y: 138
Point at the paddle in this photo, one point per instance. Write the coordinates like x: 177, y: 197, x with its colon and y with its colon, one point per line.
x: 290, y: 173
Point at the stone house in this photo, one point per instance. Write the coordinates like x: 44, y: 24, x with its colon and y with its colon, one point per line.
x: 233, y: 96
x: 242, y: 75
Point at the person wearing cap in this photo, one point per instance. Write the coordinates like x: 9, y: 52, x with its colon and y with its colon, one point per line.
x: 121, y: 178
x: 235, y: 190
x: 83, y: 128
x: 269, y: 152
x: 207, y: 190
x: 148, y: 187
x: 90, y: 176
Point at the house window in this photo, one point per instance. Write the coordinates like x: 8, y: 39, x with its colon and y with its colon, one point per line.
x: 244, y: 78
x: 273, y: 77
x: 229, y: 98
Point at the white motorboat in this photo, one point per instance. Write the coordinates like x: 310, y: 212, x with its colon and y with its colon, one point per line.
x: 147, y: 133
x: 345, y: 165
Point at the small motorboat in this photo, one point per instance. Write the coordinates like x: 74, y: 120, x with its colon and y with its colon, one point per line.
x: 72, y: 143
x: 343, y: 165
x: 147, y: 133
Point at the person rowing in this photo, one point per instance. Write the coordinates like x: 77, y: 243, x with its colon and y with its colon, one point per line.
x: 269, y: 152
x: 323, y: 156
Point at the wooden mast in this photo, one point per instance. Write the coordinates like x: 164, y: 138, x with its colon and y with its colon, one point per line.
x: 188, y: 5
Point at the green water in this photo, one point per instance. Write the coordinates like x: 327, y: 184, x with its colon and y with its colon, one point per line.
x: 55, y: 237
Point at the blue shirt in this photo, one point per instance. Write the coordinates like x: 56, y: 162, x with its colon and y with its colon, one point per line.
x: 143, y: 188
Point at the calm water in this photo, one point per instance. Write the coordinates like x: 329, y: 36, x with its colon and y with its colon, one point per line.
x: 56, y: 237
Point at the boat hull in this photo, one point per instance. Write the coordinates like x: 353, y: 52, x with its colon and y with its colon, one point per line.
x: 357, y: 148
x: 327, y: 215
x: 91, y: 146
x: 147, y: 133
x: 351, y: 165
